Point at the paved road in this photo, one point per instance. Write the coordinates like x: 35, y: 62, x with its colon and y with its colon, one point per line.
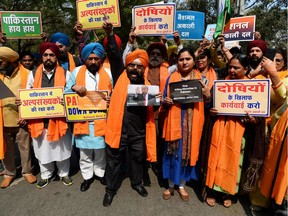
x: 22, y: 199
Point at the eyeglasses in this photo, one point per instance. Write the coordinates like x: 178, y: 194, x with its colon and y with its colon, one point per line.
x: 49, y: 54
x: 137, y: 65
x: 278, y: 60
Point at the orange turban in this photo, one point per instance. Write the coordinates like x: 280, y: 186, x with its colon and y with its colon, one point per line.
x: 137, y: 54
x: 7, y: 54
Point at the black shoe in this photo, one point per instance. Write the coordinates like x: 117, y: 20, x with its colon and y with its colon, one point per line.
x: 101, y: 179
x: 107, y: 200
x: 86, y: 184
x: 140, y: 190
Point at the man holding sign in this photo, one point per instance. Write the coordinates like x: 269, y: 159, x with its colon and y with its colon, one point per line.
x: 89, y: 136
x: 52, y: 138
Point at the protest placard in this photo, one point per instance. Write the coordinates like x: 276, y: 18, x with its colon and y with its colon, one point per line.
x: 236, y: 97
x: 154, y: 19
x: 21, y: 24
x: 41, y: 103
x: 90, y: 13
x: 240, y: 29
x: 75, y: 114
x: 189, y: 24
x: 143, y: 95
x: 188, y: 91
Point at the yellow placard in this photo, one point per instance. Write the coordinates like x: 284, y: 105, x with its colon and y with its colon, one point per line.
x: 154, y: 19
x: 41, y: 103
x: 75, y: 114
x: 239, y: 97
x: 91, y: 13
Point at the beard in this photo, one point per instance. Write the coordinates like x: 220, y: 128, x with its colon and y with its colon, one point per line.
x: 8, y: 70
x: 93, y: 68
x: 154, y: 62
x: 255, y: 61
x: 135, y: 77
x: 49, y: 64
x: 63, y: 57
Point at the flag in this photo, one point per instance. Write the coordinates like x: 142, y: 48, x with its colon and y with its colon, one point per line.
x: 224, y: 15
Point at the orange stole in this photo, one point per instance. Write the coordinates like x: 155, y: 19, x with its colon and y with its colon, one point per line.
x: 103, y: 84
x: 211, y: 76
x: 115, y: 118
x: 172, y: 123
x: 106, y: 63
x: 72, y: 64
x: 277, y: 189
x: 24, y: 76
x: 57, y: 126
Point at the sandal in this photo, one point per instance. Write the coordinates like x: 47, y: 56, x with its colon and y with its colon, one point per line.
x: 210, y: 201
x: 183, y: 194
x: 227, y: 201
x: 167, y: 194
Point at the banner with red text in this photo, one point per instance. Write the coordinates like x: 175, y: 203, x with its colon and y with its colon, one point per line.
x: 41, y: 103
x: 91, y: 13
x: 154, y: 19
x: 237, y: 97
x: 240, y: 29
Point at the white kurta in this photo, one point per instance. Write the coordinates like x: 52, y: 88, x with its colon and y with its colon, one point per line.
x: 47, y: 152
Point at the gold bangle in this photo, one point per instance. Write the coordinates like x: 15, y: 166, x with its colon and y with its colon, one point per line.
x: 226, y: 50
x: 278, y: 85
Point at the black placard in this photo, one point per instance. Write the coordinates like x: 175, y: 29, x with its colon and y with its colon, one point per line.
x: 188, y: 91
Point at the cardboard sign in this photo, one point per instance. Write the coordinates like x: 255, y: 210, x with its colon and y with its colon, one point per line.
x: 142, y: 95
x: 236, y: 97
x: 240, y: 29
x: 93, y: 100
x: 154, y: 19
x: 41, y: 103
x: 189, y: 24
x: 91, y: 13
x: 21, y: 24
x: 75, y: 114
x: 188, y: 91
x: 210, y: 29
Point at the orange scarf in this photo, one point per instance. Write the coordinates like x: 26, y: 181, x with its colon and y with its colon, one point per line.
x: 211, y: 76
x: 115, y: 118
x: 164, y: 74
x: 172, y: 123
x: 277, y: 189
x: 71, y: 61
x: 103, y: 84
x: 24, y: 76
x: 224, y: 154
x: 57, y: 126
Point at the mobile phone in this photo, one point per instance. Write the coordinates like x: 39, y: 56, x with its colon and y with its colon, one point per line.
x: 270, y: 53
x: 205, y: 81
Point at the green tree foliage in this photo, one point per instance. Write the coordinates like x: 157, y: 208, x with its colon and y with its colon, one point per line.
x: 271, y: 21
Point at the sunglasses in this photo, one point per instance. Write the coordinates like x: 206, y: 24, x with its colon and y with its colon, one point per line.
x: 278, y: 60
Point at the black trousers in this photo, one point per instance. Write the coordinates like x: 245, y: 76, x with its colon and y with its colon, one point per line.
x: 137, y: 154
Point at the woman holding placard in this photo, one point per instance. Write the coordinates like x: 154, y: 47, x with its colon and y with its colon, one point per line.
x: 182, y: 129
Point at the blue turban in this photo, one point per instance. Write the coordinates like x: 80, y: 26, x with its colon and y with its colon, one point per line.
x: 95, y: 48
x: 60, y: 38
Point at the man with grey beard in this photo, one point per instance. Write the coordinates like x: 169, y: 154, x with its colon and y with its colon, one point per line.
x: 13, y: 130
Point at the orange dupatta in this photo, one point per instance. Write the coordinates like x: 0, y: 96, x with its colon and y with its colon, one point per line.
x: 103, y: 84
x: 172, y: 123
x: 277, y: 189
x: 72, y: 64
x: 57, y: 126
x: 115, y: 118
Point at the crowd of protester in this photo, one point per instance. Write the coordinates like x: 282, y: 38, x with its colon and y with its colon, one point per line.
x: 227, y: 155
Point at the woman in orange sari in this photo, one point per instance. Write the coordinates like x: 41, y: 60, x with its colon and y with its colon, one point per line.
x: 228, y: 144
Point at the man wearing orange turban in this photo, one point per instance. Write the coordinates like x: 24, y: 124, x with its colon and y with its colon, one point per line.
x: 14, y: 76
x: 129, y: 128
